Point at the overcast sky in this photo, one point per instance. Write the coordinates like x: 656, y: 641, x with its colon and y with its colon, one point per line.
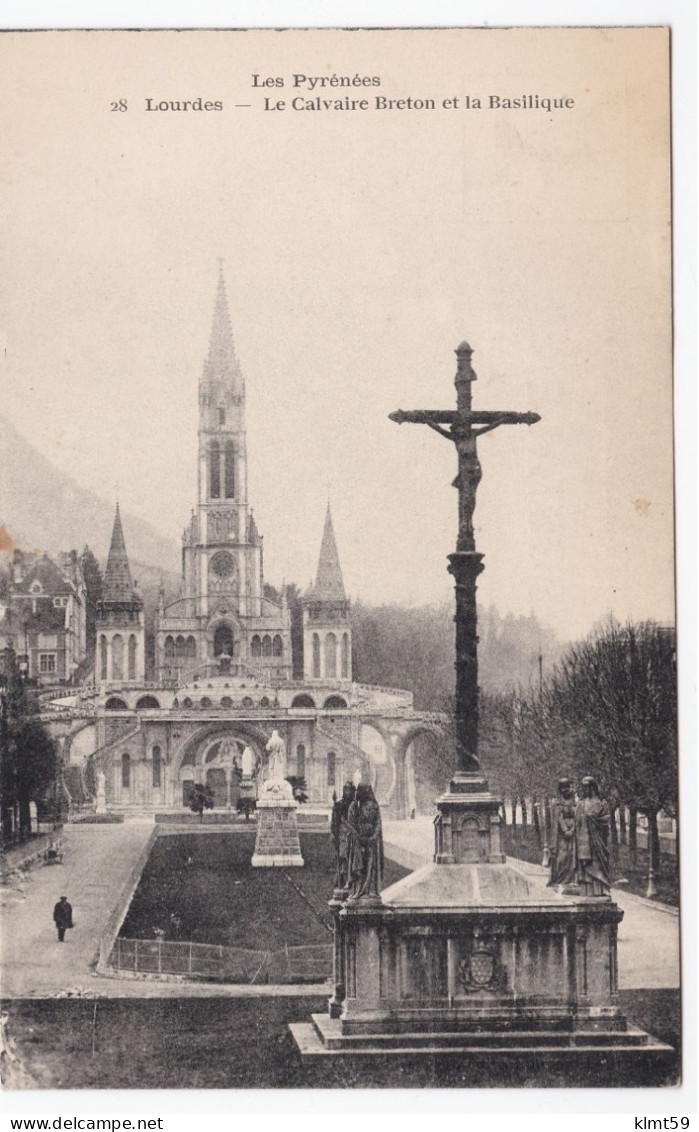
x: 360, y: 248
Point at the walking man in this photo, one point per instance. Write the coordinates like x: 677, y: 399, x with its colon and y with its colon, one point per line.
x: 63, y: 917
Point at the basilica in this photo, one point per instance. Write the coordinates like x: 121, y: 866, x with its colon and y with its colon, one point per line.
x: 228, y: 669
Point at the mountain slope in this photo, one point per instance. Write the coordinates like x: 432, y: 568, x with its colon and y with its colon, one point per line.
x: 41, y: 508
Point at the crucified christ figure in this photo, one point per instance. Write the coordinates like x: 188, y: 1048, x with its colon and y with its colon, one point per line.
x: 462, y: 427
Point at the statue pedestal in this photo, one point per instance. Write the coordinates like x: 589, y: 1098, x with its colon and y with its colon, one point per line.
x: 101, y: 807
x: 470, y: 953
x: 277, y: 841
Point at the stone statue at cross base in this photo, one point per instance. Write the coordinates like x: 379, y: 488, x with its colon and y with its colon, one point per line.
x: 365, y: 846
x: 592, y: 835
x: 563, y: 855
x: 340, y: 832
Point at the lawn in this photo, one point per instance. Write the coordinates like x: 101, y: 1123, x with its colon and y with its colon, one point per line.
x: 223, y: 1043
x: 206, y: 882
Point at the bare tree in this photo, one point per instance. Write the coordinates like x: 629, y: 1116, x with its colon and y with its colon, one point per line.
x: 616, y: 695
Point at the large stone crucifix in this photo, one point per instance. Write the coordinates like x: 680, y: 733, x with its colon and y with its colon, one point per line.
x: 464, y: 427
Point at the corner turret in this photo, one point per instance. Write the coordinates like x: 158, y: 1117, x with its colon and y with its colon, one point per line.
x: 119, y: 626
x: 327, y: 635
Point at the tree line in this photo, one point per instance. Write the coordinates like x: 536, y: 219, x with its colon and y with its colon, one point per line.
x: 29, y: 766
x: 608, y: 709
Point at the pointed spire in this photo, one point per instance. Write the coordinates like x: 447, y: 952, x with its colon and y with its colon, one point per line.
x: 117, y: 585
x: 253, y: 533
x: 221, y: 365
x: 329, y: 585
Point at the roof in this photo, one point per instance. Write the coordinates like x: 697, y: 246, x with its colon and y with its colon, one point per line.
x: 329, y: 586
x: 117, y: 584
x: 50, y: 577
x: 222, y: 366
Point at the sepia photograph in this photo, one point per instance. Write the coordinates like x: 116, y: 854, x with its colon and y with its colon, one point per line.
x: 338, y: 653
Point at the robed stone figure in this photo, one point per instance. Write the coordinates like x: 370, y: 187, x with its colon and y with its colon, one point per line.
x: 365, y: 845
x: 563, y: 855
x: 340, y: 831
x: 592, y: 821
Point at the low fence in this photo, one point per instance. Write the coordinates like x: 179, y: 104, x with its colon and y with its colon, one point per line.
x: 312, y: 964
x: 116, y: 919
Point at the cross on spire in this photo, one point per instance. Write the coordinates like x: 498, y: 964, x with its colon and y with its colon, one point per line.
x: 465, y: 425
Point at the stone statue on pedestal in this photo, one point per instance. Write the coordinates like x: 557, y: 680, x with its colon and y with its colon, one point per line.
x: 248, y: 762
x: 340, y: 831
x: 592, y: 821
x: 101, y: 793
x: 365, y: 846
x: 277, y: 757
x: 563, y: 856
x: 275, y: 786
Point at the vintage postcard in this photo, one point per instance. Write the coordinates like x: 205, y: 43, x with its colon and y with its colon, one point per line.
x: 316, y: 774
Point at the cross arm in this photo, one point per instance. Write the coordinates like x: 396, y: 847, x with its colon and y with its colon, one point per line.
x: 450, y: 417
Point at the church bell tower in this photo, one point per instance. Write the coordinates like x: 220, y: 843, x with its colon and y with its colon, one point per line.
x: 222, y: 551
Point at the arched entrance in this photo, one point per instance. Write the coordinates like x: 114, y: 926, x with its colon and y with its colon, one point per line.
x: 223, y: 640
x: 380, y: 762
x: 213, y: 757
x: 425, y: 763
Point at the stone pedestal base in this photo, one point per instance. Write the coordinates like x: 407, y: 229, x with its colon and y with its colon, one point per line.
x: 277, y: 841
x: 467, y: 825
x: 631, y: 1058
x: 480, y: 959
x: 470, y: 955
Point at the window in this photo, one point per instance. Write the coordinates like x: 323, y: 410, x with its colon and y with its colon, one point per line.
x: 180, y: 648
x: 132, y: 657
x: 256, y: 646
x: 303, y: 701
x: 117, y: 657
x: 277, y: 647
x: 222, y: 565
x: 316, y: 655
x: 190, y: 649
x: 146, y: 702
x: 221, y: 416
x: 229, y: 470
x: 103, y: 657
x: 47, y: 662
x: 345, y: 656
x: 126, y: 771
x: 331, y: 760
x: 214, y: 471
x: 301, y: 760
x: 266, y: 645
x: 157, y: 764
x: 331, y: 656
x: 169, y: 648
x: 335, y: 703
